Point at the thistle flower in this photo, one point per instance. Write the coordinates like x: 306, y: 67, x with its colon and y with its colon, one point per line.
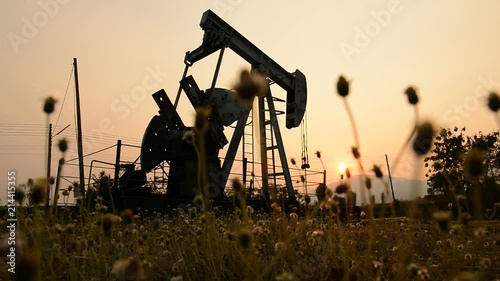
x: 49, y: 105
x: 63, y: 145
x: 355, y: 152
x: 341, y: 189
x: 128, y: 216
x: 251, y: 85
x: 348, y: 173
x: 245, y: 238
x: 107, y: 223
x: 443, y: 218
x: 20, y: 195
x: 188, y: 136
x: 423, y: 139
x: 202, y: 122
x: 494, y: 102
x: 474, y: 163
x: 412, y: 95
x: 342, y: 86
x: 377, y: 171
x: 128, y: 269
x: 38, y: 191
x: 368, y: 183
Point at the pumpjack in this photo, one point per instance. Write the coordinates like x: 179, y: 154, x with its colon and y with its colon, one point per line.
x: 163, y: 138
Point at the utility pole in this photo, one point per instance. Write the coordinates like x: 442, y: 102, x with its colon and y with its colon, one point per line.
x: 79, y: 131
x: 49, y: 152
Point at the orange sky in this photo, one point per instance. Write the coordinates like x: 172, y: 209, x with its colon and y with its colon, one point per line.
x: 448, y: 50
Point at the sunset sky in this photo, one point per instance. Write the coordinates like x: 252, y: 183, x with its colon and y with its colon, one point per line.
x: 448, y: 50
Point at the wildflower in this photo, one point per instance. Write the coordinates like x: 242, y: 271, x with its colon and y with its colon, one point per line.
x: 128, y: 270
x: 412, y: 269
x: 460, y: 247
x: 355, y: 152
x: 251, y: 85
x: 278, y: 246
x: 377, y: 171
x: 107, y: 222
x: 467, y: 256
x: 342, y: 86
x: 65, y: 193
x: 285, y: 276
x: 317, y: 233
x: 474, y: 163
x: 128, y: 216
x: 480, y: 231
x: 412, y: 95
x: 307, y: 199
x: 63, y: 145
x: 245, y: 238
x: 423, y: 139
x: 250, y: 210
x: 443, y: 219
x: 341, y: 189
x: 198, y: 201
x: 202, y: 122
x: 294, y: 216
x: 485, y: 263
x: 238, y: 187
x: 177, y: 278
x: 188, y: 136
x: 494, y: 102
x: 38, y: 191
x: 49, y: 105
x: 368, y: 183
x: 20, y: 195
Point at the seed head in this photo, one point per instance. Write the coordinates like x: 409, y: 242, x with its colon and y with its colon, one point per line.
x: 251, y: 85
x: 355, y: 152
x: 63, y: 145
x: 368, y: 183
x: 128, y: 216
x: 188, y: 136
x: 342, y: 86
x: 20, y: 195
x: 494, y: 102
x: 245, y: 238
x: 38, y: 191
x: 474, y: 160
x: 423, y: 139
x: 238, y: 186
x: 341, y: 189
x: 348, y: 173
x: 293, y: 161
x: 202, y: 122
x: 443, y: 218
x: 318, y: 154
x: 307, y: 199
x: 49, y: 105
x: 107, y: 222
x: 412, y: 95
x: 377, y: 171
x: 128, y: 269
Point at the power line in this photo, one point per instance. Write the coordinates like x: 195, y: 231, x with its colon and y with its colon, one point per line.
x: 67, y: 86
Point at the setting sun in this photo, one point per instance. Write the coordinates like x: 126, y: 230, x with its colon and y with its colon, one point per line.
x: 342, y: 166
